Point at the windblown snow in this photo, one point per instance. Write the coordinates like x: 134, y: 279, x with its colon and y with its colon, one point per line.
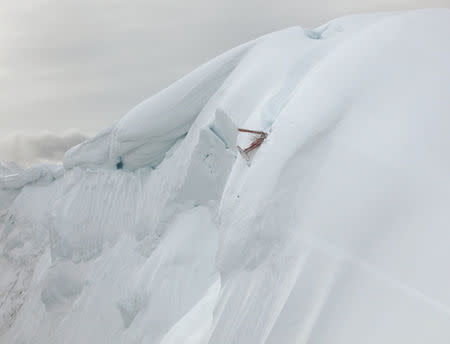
x: 157, y: 231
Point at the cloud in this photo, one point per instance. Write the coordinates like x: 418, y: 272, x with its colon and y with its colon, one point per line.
x: 28, y: 149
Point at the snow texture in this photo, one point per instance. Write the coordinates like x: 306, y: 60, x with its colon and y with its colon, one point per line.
x: 156, y: 231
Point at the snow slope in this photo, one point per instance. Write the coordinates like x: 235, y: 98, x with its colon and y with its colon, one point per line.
x: 156, y: 231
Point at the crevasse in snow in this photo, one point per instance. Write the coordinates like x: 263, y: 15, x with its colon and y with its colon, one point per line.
x: 335, y: 233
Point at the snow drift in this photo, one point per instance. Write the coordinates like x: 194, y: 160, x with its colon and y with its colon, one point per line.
x: 156, y: 231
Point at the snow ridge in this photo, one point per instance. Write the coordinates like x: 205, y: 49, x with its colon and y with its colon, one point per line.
x: 156, y: 231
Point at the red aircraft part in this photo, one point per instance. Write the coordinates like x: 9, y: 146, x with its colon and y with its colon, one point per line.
x: 255, y: 144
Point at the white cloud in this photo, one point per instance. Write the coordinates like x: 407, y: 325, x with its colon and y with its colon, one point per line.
x: 28, y: 149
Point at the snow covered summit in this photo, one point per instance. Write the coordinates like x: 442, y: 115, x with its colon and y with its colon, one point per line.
x: 156, y: 231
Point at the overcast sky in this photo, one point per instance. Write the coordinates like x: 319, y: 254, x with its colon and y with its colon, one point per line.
x: 76, y: 66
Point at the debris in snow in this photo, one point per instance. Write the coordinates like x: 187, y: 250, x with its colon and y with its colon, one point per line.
x: 256, y: 142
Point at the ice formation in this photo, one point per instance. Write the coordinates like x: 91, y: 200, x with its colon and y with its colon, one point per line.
x: 155, y: 231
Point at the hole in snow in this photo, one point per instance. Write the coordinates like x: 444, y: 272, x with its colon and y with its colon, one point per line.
x: 316, y: 34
